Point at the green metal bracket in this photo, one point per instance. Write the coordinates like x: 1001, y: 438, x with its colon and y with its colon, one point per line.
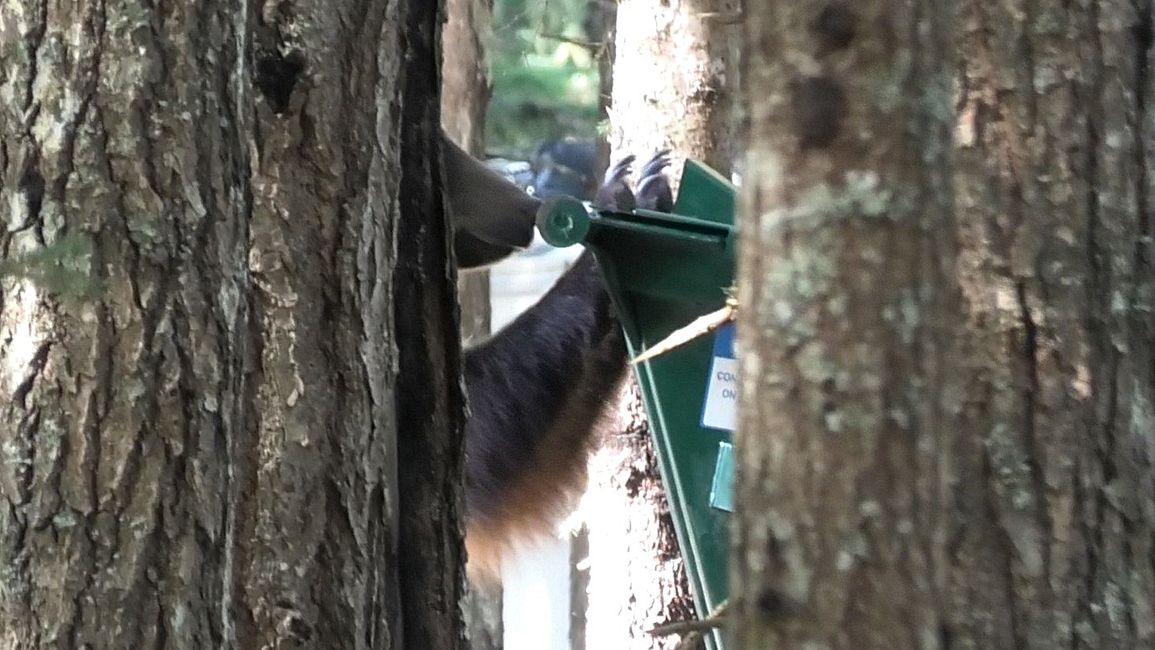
x: 663, y: 271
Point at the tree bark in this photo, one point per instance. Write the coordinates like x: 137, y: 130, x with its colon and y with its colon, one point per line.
x: 464, y: 98
x: 637, y: 579
x: 465, y: 81
x: 1054, y: 529
x: 843, y: 280
x: 674, y: 79
x: 200, y: 448
x: 430, y: 399
x: 946, y: 434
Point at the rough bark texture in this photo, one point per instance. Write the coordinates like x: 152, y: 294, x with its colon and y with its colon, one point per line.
x: 675, y: 75
x: 464, y: 97
x: 947, y: 345
x: 673, y: 83
x: 1054, y: 539
x: 484, y: 625
x: 601, y: 25
x: 843, y: 279
x: 201, y: 449
x: 465, y: 81
x: 430, y: 398
x: 637, y: 579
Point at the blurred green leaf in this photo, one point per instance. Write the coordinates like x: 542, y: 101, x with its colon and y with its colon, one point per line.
x: 545, y: 80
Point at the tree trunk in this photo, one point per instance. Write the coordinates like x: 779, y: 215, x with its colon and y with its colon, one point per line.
x: 636, y: 579
x: 465, y: 81
x: 673, y: 83
x: 464, y: 97
x: 1054, y: 522
x: 199, y: 345
x: 675, y: 79
x: 947, y: 435
x: 601, y: 27
x: 430, y: 405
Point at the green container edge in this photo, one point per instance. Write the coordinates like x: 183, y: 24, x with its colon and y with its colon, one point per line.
x: 702, y: 225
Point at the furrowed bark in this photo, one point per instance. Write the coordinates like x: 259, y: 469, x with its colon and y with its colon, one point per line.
x: 1000, y: 493
x: 200, y: 449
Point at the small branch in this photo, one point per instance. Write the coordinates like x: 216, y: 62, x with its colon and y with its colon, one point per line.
x: 695, y: 629
x: 682, y: 627
x: 592, y: 45
x: 701, y: 326
x: 724, y: 17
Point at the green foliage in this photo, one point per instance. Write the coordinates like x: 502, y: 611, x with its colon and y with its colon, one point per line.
x: 60, y: 268
x: 545, y: 76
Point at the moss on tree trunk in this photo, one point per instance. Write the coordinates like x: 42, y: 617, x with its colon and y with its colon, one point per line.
x: 946, y: 338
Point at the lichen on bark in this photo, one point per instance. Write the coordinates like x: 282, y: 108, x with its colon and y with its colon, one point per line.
x: 938, y: 440
x: 202, y: 453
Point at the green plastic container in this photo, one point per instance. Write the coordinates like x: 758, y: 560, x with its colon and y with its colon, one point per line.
x: 663, y: 271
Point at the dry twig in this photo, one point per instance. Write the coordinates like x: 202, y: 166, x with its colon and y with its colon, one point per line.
x: 699, y: 327
x: 695, y: 629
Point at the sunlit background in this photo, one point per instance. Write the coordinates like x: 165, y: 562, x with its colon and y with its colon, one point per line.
x: 543, y: 66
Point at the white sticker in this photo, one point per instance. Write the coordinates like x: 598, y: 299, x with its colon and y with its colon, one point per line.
x: 721, y: 408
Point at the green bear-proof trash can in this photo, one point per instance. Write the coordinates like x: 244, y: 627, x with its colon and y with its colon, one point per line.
x: 663, y: 271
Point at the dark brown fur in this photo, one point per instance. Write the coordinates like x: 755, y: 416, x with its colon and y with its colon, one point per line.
x: 526, y: 447
x: 538, y: 390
